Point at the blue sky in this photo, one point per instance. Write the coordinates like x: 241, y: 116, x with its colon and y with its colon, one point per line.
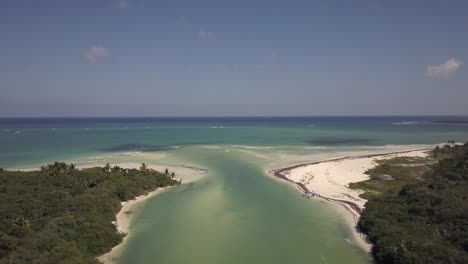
x: 233, y: 58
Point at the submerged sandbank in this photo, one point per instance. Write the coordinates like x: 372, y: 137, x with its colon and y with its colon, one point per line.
x: 130, y: 209
x: 329, y: 181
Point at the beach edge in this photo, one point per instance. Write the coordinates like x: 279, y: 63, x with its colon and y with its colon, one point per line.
x: 123, y: 219
x: 349, y: 210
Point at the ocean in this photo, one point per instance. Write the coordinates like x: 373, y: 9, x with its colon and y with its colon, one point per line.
x: 237, y: 213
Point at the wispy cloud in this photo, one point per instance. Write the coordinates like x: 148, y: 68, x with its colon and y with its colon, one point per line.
x: 122, y: 3
x: 273, y: 62
x: 446, y: 69
x: 183, y: 19
x: 270, y: 63
x: 274, y: 56
x: 276, y: 64
x: 13, y: 68
x: 327, y: 3
x: 96, y: 54
x: 205, y: 35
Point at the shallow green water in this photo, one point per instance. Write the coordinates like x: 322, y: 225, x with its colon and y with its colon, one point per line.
x: 236, y: 214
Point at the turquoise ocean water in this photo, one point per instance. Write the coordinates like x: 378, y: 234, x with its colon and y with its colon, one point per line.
x: 236, y: 213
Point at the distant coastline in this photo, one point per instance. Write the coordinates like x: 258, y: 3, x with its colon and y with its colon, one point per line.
x: 450, y: 121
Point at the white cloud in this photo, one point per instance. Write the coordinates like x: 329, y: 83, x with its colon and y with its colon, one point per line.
x: 445, y: 69
x: 205, y: 35
x: 96, y: 54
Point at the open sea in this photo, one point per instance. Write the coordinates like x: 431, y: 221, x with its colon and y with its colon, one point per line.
x: 236, y: 213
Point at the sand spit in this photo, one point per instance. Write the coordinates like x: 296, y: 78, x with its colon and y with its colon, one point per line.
x: 329, y: 180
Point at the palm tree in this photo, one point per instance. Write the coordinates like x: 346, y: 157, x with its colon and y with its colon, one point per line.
x: 143, y: 167
x: 57, y: 168
x: 436, y: 152
x: 72, y: 167
x: 116, y: 168
x: 106, y: 168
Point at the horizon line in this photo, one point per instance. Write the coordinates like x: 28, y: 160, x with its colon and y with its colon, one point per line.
x: 229, y: 116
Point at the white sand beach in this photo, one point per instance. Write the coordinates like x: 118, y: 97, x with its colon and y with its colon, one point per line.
x: 130, y: 209
x: 329, y: 179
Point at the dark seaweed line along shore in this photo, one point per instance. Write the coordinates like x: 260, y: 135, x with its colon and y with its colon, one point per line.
x: 353, y: 207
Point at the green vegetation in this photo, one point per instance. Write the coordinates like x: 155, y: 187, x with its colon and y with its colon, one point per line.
x: 421, y: 216
x: 390, y: 175
x: 63, y: 215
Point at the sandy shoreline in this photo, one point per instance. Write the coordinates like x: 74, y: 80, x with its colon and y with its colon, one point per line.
x: 328, y: 180
x: 123, y: 222
x: 129, y: 210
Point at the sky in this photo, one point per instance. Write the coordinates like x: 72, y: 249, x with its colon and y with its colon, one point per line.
x: 233, y: 58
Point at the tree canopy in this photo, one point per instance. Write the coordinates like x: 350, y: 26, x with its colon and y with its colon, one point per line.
x: 425, y: 221
x: 63, y: 215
